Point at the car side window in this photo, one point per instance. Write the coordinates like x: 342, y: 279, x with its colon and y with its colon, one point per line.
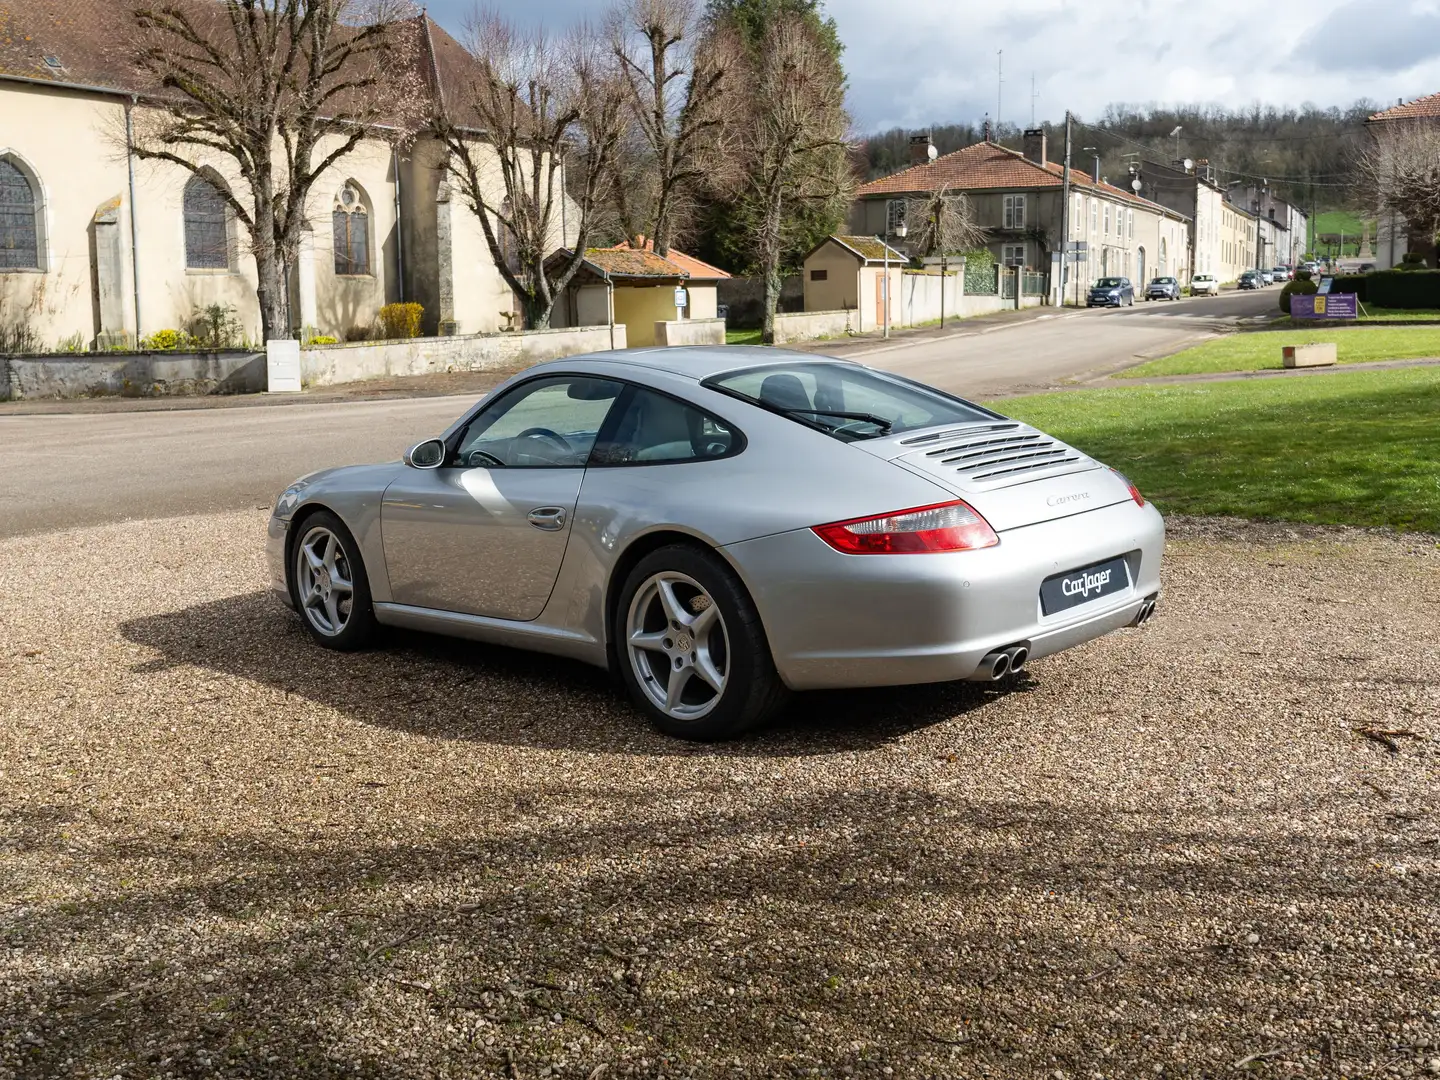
x: 656, y: 429
x: 548, y: 423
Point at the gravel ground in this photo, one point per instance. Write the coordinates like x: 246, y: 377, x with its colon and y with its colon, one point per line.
x: 225, y: 852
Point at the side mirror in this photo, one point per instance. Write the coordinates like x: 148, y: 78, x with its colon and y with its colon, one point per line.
x: 429, y: 454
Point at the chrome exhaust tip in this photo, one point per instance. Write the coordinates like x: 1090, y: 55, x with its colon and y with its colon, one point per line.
x: 1146, y: 612
x: 1018, y: 656
x: 993, y: 667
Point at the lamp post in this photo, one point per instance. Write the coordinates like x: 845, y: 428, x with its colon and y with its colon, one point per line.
x: 1096, y: 151
x: 900, y: 232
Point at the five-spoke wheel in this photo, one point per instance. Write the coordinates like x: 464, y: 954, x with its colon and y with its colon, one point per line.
x: 329, y: 583
x: 691, y: 647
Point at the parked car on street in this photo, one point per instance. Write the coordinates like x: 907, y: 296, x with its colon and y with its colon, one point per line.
x: 1267, y: 277
x: 1111, y: 292
x: 722, y: 526
x: 1250, y: 280
x: 1282, y: 273
x: 1204, y: 285
x: 1162, y: 288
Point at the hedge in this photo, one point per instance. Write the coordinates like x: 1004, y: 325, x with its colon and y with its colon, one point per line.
x: 1392, y: 288
x: 1302, y: 285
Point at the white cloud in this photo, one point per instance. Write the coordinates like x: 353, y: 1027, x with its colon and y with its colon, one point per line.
x: 913, y: 62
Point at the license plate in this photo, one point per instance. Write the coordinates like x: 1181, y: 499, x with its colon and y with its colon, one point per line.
x: 1075, y: 587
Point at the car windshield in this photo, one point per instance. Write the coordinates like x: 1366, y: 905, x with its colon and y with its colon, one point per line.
x: 1163, y: 281
x: 1108, y: 283
x: 846, y: 401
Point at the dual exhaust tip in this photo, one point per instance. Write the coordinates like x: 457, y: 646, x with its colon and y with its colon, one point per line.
x: 1146, y: 612
x: 1002, y: 662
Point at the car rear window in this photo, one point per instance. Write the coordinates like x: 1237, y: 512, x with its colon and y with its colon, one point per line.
x: 846, y: 401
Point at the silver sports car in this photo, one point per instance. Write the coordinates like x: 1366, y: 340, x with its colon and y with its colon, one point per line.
x: 723, y: 526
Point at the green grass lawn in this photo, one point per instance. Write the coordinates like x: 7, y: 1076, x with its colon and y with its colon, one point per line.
x: 1259, y: 350
x: 742, y: 337
x: 1358, y: 448
x: 1381, y: 314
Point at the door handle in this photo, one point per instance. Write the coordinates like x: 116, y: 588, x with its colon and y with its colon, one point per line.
x: 549, y: 518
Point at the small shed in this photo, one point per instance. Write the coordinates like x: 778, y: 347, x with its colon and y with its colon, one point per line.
x: 847, y: 273
x: 645, y: 289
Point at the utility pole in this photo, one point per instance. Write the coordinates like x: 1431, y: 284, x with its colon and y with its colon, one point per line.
x: 1064, y: 214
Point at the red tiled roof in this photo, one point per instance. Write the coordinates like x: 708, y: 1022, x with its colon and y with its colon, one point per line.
x: 625, y: 262
x: 697, y: 269
x: 1424, y: 108
x: 990, y: 166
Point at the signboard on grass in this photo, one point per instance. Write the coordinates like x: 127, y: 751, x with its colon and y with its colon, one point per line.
x: 1331, y: 306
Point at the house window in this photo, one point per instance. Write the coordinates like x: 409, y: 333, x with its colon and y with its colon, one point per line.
x: 352, y: 232
x: 1094, y: 210
x: 1013, y: 254
x: 19, y: 219
x: 819, y: 275
x: 207, y: 226
x: 1014, y: 211
x: 1106, y: 230
x: 1130, y: 223
x: 1078, y: 220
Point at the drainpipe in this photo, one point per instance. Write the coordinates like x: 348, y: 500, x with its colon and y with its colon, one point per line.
x: 134, y: 229
x: 399, y: 228
x: 610, y: 306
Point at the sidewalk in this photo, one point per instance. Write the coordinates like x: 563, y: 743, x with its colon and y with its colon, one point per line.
x: 474, y: 383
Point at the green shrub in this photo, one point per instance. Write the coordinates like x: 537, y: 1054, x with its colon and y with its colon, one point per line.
x: 401, y: 320
x: 1302, y: 285
x: 324, y: 339
x: 216, y: 327
x: 166, y: 340
x: 1393, y: 288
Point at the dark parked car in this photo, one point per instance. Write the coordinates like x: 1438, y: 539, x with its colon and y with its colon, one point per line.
x: 1111, y: 292
x: 1163, y: 288
x: 1250, y: 280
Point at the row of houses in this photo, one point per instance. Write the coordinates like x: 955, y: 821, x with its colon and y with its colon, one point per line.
x: 1174, y: 220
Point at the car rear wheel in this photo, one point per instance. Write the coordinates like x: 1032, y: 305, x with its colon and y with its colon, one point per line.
x: 329, y: 584
x: 691, y: 648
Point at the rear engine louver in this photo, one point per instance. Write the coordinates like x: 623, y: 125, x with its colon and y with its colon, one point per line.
x: 1002, y: 451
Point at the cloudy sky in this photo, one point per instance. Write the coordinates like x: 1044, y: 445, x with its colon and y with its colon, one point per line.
x: 912, y: 62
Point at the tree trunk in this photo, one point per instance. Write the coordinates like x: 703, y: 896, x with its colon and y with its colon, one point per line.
x: 273, y: 296
x: 537, y: 312
x: 770, y: 272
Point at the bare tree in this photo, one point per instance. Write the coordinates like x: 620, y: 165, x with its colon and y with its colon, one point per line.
x: 678, y: 72
x: 534, y: 108
x: 943, y: 223
x: 283, y: 88
x: 1399, y: 173
x: 792, y: 147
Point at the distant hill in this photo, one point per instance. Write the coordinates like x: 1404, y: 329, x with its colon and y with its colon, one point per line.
x: 1305, y: 154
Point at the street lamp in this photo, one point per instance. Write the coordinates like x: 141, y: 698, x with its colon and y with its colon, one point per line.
x: 899, y: 231
x: 1096, y: 151
x: 1176, y: 136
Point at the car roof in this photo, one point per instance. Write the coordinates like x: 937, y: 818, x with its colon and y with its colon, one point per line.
x: 698, y: 362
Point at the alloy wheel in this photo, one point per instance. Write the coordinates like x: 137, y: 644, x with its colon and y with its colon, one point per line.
x: 678, y: 645
x: 324, y: 583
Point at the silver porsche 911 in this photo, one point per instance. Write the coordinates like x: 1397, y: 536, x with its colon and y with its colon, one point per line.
x: 723, y: 526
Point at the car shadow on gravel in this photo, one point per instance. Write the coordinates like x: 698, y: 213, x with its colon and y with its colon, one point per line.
x: 455, y: 689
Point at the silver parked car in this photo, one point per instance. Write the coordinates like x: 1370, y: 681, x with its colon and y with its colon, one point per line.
x: 725, y: 525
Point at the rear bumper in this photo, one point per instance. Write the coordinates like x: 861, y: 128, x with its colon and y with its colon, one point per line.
x: 837, y: 620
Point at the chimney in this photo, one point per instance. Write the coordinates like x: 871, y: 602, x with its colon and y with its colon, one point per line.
x: 1034, y: 145
x: 920, y: 148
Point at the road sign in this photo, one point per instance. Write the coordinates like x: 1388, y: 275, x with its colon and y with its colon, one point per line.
x: 1078, y: 245
x: 681, y: 299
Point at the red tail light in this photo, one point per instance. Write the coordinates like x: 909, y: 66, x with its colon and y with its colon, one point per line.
x: 952, y: 526
x: 1134, y: 491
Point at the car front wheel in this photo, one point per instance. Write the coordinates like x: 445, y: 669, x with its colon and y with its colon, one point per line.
x: 329, y: 584
x: 691, y: 647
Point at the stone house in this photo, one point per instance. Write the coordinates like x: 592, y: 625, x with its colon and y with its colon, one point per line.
x: 847, y: 273
x: 1017, y: 197
x: 98, y: 247
x: 1394, y: 237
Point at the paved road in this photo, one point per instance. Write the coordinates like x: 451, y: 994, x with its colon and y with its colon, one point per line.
x: 64, y: 470
x: 1033, y: 355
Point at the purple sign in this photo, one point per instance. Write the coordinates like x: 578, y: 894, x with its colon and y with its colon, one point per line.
x: 1317, y: 306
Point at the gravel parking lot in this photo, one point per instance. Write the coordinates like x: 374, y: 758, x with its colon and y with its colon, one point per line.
x: 1185, y: 850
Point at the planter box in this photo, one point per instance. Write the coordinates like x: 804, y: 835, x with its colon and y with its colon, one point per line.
x: 1298, y: 356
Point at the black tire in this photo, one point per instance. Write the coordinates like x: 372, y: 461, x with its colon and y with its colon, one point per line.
x: 752, y: 691
x: 359, y: 625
